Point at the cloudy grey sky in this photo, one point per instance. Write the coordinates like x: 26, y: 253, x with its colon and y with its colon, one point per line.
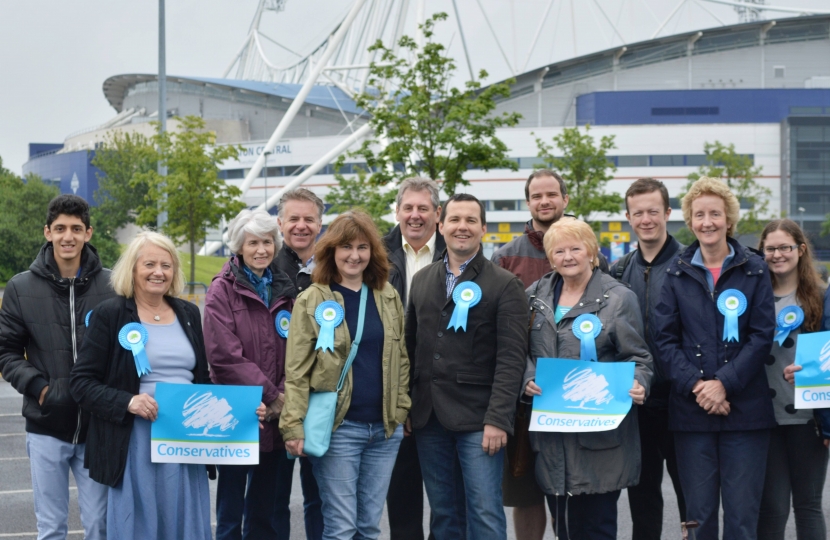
x: 56, y: 54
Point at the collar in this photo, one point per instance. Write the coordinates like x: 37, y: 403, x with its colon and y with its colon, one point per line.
x: 536, y: 237
x: 430, y: 243
x: 697, y: 259
x: 666, y: 250
x: 463, y: 265
x: 293, y: 254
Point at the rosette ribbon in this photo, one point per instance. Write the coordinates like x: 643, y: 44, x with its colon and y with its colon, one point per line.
x: 465, y: 295
x: 731, y: 304
x: 788, y: 320
x: 329, y: 315
x: 133, y: 337
x: 282, y: 322
x: 86, y: 319
x: 586, y: 328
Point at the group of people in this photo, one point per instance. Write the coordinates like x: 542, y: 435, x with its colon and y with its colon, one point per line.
x: 431, y: 349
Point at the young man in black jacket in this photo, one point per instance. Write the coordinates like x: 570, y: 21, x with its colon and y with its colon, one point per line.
x: 41, y: 328
x: 647, y: 210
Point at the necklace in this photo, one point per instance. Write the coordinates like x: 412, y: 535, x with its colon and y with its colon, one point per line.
x: 156, y: 318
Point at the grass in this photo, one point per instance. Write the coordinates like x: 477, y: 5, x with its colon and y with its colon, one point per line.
x: 206, y: 268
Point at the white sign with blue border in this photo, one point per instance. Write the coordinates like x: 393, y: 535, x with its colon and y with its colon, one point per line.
x: 580, y: 396
x: 812, y: 383
x: 202, y: 423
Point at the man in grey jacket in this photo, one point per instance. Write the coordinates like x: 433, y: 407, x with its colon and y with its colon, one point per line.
x: 648, y: 211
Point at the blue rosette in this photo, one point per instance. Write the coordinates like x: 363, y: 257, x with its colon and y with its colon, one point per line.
x: 586, y: 328
x: 465, y: 295
x: 329, y: 315
x: 788, y: 320
x: 133, y: 337
x: 86, y: 319
x: 731, y: 304
x: 282, y: 322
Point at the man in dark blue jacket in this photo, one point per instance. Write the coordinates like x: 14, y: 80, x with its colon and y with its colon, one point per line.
x: 41, y: 328
x: 644, y: 270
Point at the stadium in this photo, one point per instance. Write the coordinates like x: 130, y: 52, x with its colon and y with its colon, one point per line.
x: 762, y: 84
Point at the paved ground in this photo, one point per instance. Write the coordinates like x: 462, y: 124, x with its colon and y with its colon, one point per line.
x: 17, y: 518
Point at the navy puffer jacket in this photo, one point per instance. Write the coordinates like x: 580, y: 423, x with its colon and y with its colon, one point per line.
x: 689, y: 337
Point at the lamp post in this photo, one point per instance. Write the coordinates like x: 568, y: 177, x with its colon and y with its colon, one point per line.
x: 801, y: 211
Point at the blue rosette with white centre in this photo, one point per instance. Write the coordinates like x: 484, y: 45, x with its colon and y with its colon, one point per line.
x: 133, y: 337
x: 788, y: 320
x: 465, y: 295
x: 731, y: 304
x: 329, y: 315
x: 587, y: 328
x: 282, y: 322
x: 86, y: 319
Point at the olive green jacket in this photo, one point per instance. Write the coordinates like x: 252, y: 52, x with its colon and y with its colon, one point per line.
x: 310, y: 370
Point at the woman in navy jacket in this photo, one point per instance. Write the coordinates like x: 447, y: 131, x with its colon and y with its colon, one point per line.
x: 716, y: 320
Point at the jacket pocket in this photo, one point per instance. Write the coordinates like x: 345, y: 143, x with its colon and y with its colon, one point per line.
x: 474, y: 378
x: 59, y: 409
x: 600, y: 440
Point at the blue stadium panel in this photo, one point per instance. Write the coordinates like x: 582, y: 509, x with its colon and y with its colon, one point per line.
x: 62, y: 169
x: 700, y: 106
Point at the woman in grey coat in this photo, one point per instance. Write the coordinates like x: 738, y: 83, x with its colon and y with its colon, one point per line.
x: 582, y: 473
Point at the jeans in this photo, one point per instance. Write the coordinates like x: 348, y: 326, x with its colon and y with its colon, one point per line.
x: 479, y: 513
x: 646, y: 498
x: 585, y: 517
x: 353, y: 477
x: 727, y: 463
x: 245, y: 496
x: 312, y: 506
x: 797, y: 465
x: 50, y: 460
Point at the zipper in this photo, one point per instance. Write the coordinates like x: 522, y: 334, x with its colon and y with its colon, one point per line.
x: 74, y: 348
x: 645, y: 319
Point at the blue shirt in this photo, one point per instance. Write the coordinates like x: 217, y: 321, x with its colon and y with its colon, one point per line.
x: 697, y: 260
x: 452, y: 279
x: 367, y: 368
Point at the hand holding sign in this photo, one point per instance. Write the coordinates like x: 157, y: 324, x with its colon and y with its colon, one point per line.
x: 144, y: 406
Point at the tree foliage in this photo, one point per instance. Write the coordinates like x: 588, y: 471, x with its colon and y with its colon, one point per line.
x: 358, y: 193
x: 586, y: 169
x: 23, y: 205
x: 739, y: 173
x: 425, y: 126
x: 192, y: 194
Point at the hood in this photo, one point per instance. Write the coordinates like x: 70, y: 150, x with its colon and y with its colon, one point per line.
x: 281, y: 284
x: 45, y: 266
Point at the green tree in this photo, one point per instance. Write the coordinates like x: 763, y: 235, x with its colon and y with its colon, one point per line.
x: 739, y: 173
x: 359, y: 193
x: 425, y: 126
x: 586, y: 169
x: 23, y: 204
x: 192, y: 194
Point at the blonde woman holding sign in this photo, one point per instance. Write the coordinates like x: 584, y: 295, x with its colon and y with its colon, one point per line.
x: 582, y: 473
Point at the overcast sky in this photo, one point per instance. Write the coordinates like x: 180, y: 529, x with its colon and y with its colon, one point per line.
x: 56, y: 54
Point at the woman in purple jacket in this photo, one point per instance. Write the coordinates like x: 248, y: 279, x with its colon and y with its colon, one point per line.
x: 247, y: 310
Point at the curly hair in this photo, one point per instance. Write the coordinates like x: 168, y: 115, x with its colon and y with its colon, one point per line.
x: 706, y: 185
x: 810, y: 290
x: 573, y: 229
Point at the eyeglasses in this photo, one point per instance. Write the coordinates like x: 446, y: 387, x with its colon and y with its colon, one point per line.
x: 769, y: 250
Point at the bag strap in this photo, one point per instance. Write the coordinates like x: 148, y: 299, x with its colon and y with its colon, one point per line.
x: 361, y: 315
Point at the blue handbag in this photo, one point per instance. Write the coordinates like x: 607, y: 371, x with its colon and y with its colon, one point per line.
x: 319, y: 419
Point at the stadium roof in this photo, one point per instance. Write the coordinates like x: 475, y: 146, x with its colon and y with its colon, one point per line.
x: 331, y: 97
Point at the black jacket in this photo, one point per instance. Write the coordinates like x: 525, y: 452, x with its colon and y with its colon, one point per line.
x: 473, y: 377
x: 646, y: 280
x: 289, y: 262
x: 41, y: 330
x: 688, y: 336
x: 397, y: 258
x: 104, y: 380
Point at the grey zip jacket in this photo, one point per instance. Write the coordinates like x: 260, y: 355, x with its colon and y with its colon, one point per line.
x: 599, y: 462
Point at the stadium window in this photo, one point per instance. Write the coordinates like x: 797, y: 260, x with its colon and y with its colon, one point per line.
x: 696, y: 160
x: 235, y: 174
x: 504, y: 205
x: 523, y: 205
x: 531, y: 162
x: 806, y: 110
x: 632, y: 161
x: 674, y: 203
x: 667, y: 161
x: 685, y: 111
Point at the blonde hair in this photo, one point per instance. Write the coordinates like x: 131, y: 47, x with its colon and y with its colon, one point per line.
x: 573, y: 229
x: 122, y: 280
x: 706, y: 185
